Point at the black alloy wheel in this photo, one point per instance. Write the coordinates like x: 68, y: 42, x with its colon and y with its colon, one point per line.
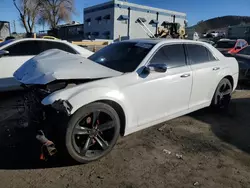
x: 222, y: 96
x: 92, y: 132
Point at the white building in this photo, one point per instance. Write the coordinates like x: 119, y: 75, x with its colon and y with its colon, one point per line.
x: 116, y: 19
x: 4, y: 29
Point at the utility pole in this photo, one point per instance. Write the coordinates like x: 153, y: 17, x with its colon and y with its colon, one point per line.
x: 14, y: 25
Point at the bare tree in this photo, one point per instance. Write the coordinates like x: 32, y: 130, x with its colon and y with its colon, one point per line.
x: 29, y: 11
x: 55, y: 11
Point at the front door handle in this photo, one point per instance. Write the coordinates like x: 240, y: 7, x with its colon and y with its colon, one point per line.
x: 216, y: 68
x: 185, y: 75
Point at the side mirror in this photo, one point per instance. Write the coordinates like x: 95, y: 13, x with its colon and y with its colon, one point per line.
x: 3, y: 53
x: 158, y: 67
x: 237, y: 48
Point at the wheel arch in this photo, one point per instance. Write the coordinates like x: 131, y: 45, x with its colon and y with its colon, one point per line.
x: 120, y: 111
x: 118, y: 108
x: 116, y: 104
x: 230, y: 78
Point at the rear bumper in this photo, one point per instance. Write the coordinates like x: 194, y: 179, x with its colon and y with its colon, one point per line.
x: 236, y: 79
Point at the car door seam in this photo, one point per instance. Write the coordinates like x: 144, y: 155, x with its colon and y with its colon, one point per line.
x: 192, y: 73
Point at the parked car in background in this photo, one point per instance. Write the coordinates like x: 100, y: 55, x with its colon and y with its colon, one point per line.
x: 123, y: 88
x: 207, y: 41
x: 214, y: 33
x: 243, y: 58
x: 13, y: 53
x: 207, y: 35
x: 230, y: 45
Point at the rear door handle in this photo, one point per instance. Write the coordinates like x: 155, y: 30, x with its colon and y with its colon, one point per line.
x: 216, y: 68
x: 185, y: 75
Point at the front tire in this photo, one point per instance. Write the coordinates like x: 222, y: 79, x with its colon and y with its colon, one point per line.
x: 92, y: 132
x: 222, y: 95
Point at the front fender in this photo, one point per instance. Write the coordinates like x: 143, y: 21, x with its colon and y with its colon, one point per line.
x: 80, y: 97
x: 77, y: 98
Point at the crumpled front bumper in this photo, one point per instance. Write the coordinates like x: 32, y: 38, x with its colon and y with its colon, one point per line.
x: 62, y: 106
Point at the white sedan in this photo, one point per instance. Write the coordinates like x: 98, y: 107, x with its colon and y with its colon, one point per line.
x: 13, y: 53
x: 125, y: 87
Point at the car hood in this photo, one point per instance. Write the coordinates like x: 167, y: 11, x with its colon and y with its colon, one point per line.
x: 59, y: 65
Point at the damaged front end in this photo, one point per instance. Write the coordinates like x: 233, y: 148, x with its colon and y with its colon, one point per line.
x: 36, y: 93
x: 49, y: 119
x: 44, y: 75
x: 46, y: 119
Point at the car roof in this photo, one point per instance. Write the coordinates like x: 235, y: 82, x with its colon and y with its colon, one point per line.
x: 38, y: 39
x: 160, y: 40
x: 231, y: 40
x: 14, y: 41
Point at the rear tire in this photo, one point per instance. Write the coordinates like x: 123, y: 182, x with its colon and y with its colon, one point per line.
x: 222, y: 95
x: 91, y: 132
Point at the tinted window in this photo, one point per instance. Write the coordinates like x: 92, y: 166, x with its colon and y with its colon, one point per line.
x: 24, y: 48
x: 225, y: 44
x: 122, y: 56
x: 199, y: 54
x: 239, y: 44
x: 244, y: 43
x: 172, y: 55
x: 6, y: 42
x: 47, y: 45
x: 245, y: 51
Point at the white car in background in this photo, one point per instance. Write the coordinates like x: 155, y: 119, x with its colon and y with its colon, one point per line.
x: 13, y: 53
x: 123, y: 88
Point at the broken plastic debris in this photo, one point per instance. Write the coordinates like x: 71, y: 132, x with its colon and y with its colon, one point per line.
x: 179, y: 156
x: 100, y: 177
x: 160, y: 129
x: 167, y: 151
x: 196, y: 183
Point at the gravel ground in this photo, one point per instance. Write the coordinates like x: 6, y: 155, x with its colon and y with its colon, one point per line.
x: 202, y: 149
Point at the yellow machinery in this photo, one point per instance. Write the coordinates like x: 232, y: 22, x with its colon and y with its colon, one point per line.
x: 167, y: 30
x: 171, y: 30
x: 50, y: 37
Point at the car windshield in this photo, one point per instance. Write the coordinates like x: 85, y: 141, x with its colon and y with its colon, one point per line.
x: 122, y: 56
x: 6, y: 42
x: 225, y: 44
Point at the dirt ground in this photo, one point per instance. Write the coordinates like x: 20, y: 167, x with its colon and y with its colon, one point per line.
x: 202, y: 149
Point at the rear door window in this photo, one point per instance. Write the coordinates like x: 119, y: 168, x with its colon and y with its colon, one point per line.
x: 199, y: 54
